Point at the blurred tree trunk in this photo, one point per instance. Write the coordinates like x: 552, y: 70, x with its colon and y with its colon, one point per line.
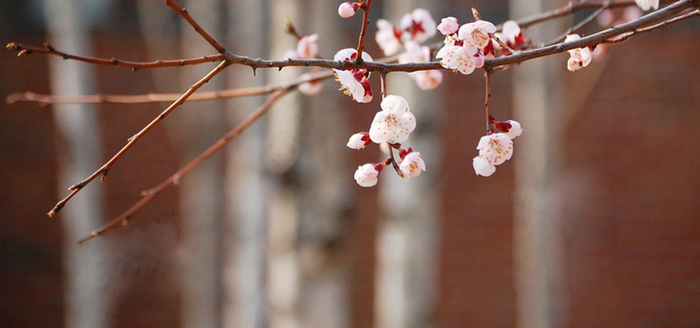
x: 326, y: 195
x: 197, y: 126
x: 539, y: 277
x: 244, y: 303
x: 407, y: 254
x: 88, y: 301
x: 282, y: 152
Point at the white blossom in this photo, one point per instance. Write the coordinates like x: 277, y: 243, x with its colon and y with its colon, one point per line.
x: 366, y: 175
x: 495, y: 148
x: 359, y: 140
x: 354, y: 82
x: 419, y: 25
x: 477, y: 33
x: 394, y: 122
x: 428, y: 80
x: 580, y: 57
x: 388, y: 37
x: 307, y: 47
x: 310, y: 88
x: 459, y: 57
x: 515, y: 129
x: 412, y: 165
x: 647, y: 4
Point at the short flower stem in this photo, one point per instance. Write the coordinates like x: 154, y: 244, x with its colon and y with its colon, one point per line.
x: 394, y: 164
x: 363, y: 31
x: 487, y: 107
x: 382, y: 79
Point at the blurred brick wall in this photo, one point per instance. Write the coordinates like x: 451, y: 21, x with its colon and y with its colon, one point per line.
x: 630, y: 209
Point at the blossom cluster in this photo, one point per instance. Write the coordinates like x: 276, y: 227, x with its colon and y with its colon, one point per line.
x: 496, y: 147
x: 391, y: 126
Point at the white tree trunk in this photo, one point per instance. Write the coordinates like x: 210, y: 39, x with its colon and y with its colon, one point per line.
x: 282, y: 153
x: 408, y: 232
x: 88, y: 301
x: 244, y: 268
x: 201, y: 193
x: 325, y: 189
x: 538, y: 269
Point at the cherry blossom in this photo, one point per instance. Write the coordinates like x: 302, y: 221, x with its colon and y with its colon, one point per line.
x: 477, y: 33
x: 367, y: 175
x: 307, y: 47
x: 388, y: 37
x: 310, y: 88
x: 394, y: 122
x: 459, y: 57
x: 359, y: 140
x: 418, y: 25
x: 354, y: 82
x: 412, y: 165
x: 511, y: 128
x: 494, y: 149
x: 448, y: 26
x: 348, y: 9
x: 426, y: 80
x: 580, y: 57
x: 647, y: 4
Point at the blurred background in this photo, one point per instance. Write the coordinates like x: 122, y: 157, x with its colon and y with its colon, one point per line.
x: 595, y: 222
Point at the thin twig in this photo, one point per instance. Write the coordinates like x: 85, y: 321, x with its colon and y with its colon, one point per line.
x: 592, y: 39
x: 572, y: 7
x: 45, y: 99
x: 394, y: 164
x: 183, y: 12
x: 363, y: 31
x: 23, y: 50
x: 102, y: 171
x: 148, y: 195
x: 582, y: 24
x: 655, y: 26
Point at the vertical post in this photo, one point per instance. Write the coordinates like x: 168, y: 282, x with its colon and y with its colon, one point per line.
x: 244, y: 268
x: 325, y: 190
x: 408, y: 228
x: 539, y: 280
x: 87, y: 300
x: 200, y: 193
x: 282, y: 152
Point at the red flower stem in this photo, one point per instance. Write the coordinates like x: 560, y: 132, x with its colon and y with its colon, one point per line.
x: 487, y: 108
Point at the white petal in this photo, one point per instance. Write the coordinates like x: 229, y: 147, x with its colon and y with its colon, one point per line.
x: 482, y: 167
x: 393, y: 104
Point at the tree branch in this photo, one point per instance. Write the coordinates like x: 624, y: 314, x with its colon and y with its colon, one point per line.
x: 23, y: 50
x: 183, y: 12
x: 105, y: 167
x: 148, y: 195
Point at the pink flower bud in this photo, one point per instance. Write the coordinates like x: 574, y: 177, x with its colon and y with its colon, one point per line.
x: 448, y: 26
x: 346, y: 10
x: 367, y: 175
